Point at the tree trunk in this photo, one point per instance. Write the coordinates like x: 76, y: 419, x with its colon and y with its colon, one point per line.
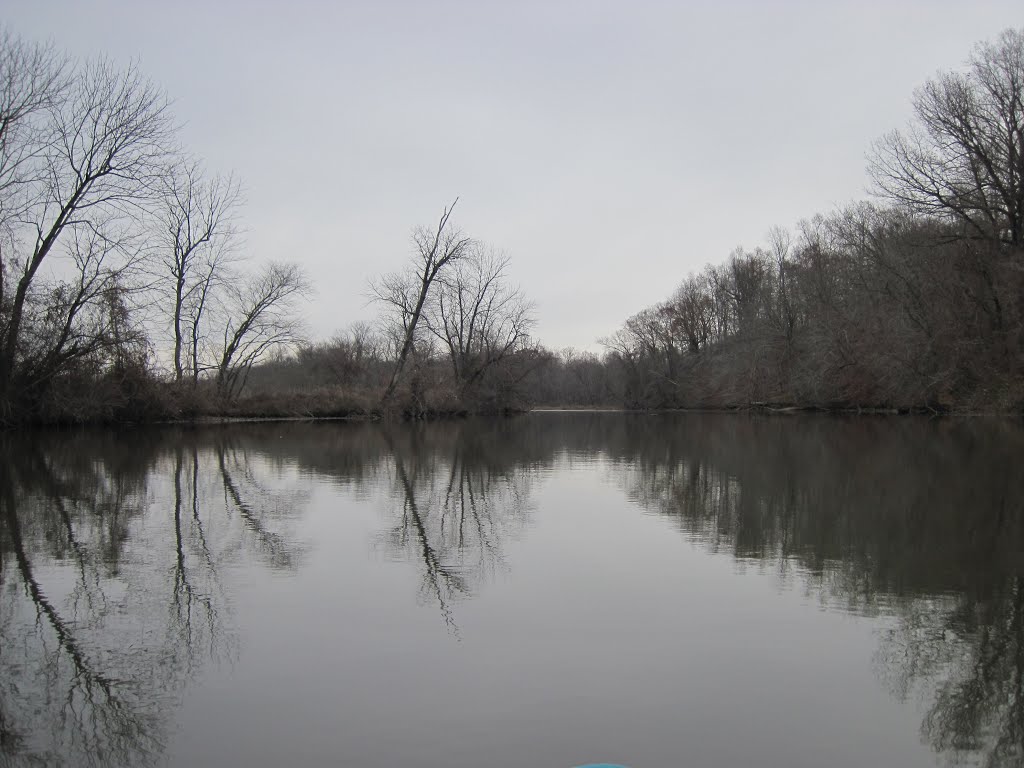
x: 410, y: 332
x: 6, y: 390
x: 179, y: 301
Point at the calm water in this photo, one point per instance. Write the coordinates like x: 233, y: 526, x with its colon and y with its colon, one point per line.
x: 544, y: 591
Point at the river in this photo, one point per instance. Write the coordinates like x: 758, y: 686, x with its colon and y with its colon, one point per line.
x: 547, y: 590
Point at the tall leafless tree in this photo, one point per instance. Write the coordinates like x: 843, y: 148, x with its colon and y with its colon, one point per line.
x: 197, y: 231
x: 404, y: 294
x: 33, y: 78
x: 80, y: 151
x: 963, y: 155
x: 261, y: 316
x: 478, y: 316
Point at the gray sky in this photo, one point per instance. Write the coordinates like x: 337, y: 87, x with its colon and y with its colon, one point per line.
x: 609, y: 147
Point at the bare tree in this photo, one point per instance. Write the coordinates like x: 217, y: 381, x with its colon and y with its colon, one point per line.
x: 261, y: 316
x: 197, y: 221
x: 479, y: 318
x: 349, y: 358
x: 33, y: 78
x: 963, y: 156
x: 691, y: 310
x: 405, y: 293
x: 71, y: 319
x: 783, y: 313
x: 78, y: 156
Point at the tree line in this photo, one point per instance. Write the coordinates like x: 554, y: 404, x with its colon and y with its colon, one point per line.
x: 117, y: 246
x: 912, y: 300
x: 126, y: 294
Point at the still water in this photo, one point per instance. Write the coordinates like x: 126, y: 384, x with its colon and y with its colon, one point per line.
x: 550, y: 590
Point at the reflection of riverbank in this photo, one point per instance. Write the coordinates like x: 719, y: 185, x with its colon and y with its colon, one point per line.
x: 920, y: 520
x: 102, y: 534
x: 111, y: 553
x: 963, y: 657
x: 904, y: 517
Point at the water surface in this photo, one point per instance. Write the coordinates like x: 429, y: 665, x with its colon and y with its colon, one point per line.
x: 693, y: 590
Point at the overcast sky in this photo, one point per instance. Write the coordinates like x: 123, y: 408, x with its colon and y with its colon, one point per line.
x: 609, y: 147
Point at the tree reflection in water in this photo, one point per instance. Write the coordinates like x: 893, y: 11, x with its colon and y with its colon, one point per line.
x: 109, y: 580
x: 965, y: 655
x: 919, y: 520
x: 915, y: 520
x: 113, y: 550
x: 461, y: 490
